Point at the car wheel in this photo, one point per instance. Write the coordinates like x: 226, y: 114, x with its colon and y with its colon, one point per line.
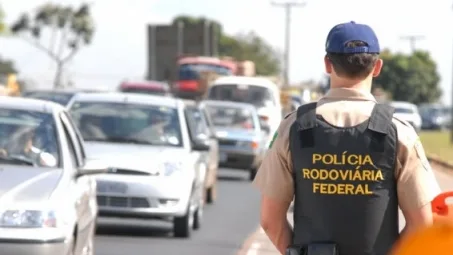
x: 182, y: 226
x: 252, y: 174
x: 198, y: 217
x: 211, y: 194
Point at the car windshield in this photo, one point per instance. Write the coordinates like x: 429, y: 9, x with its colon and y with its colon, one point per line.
x: 231, y: 117
x: 60, y: 98
x: 191, y: 71
x: 403, y: 110
x: 28, y: 138
x: 256, y: 95
x: 127, y: 123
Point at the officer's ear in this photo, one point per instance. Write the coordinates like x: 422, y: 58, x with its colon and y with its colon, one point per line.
x: 378, y: 67
x: 328, y: 65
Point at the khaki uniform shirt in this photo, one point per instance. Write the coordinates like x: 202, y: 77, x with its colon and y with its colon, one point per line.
x: 416, y: 183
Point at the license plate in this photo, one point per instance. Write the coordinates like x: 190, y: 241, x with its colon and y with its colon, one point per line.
x: 223, y: 157
x: 111, y: 187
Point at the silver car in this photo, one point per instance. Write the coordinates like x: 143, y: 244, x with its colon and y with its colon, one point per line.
x: 241, y: 138
x: 158, y: 167
x: 47, y: 196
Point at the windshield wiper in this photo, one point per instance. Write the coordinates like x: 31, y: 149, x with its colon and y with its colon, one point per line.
x: 116, y: 139
x: 20, y: 160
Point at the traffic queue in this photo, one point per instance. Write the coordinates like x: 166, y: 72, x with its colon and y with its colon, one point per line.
x: 68, y: 158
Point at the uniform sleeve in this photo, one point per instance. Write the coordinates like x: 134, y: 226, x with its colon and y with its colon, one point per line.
x: 417, y: 184
x: 274, y: 177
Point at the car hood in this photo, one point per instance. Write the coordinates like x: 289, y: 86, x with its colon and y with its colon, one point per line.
x: 24, y: 184
x: 134, y: 157
x: 236, y: 134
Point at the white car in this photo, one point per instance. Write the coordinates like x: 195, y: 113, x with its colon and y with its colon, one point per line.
x: 158, y: 165
x: 47, y: 196
x: 408, y: 112
x: 258, y: 91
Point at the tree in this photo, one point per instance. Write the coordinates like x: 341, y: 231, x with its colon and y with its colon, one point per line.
x: 3, y: 27
x: 70, y: 30
x: 7, y: 67
x: 247, y: 46
x: 411, y: 78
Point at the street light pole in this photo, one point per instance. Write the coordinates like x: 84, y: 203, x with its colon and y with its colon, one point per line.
x: 288, y: 6
x: 412, y: 40
x: 451, y: 113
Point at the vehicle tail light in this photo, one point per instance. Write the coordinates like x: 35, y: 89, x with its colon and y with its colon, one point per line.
x: 254, y: 145
x: 187, y: 85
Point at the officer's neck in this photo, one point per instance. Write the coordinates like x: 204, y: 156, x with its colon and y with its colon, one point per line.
x: 359, y: 84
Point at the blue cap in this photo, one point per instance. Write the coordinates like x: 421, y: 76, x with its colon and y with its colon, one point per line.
x: 341, y: 34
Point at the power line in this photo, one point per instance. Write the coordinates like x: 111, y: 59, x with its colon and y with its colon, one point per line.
x: 413, y: 39
x: 288, y: 7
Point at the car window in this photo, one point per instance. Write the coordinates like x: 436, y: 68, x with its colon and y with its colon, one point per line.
x: 127, y: 123
x: 77, y: 148
x: 30, y: 135
x: 256, y: 95
x: 197, y: 123
x: 232, y: 117
x: 404, y: 110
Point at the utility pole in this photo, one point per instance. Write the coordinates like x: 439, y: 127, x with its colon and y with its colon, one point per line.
x: 288, y: 7
x: 412, y: 40
x: 451, y: 106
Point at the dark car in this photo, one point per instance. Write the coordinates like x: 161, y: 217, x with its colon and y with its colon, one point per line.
x: 60, y: 96
x: 435, y: 117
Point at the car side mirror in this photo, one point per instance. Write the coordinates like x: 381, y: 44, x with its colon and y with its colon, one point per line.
x: 200, y: 145
x: 92, y: 167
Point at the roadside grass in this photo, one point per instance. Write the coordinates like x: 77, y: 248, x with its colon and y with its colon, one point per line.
x: 437, y: 143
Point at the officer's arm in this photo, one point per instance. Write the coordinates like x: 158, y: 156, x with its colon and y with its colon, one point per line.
x: 417, y: 187
x: 275, y: 181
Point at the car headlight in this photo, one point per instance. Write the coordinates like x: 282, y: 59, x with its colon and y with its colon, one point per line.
x: 28, y: 219
x: 247, y: 144
x: 171, y: 168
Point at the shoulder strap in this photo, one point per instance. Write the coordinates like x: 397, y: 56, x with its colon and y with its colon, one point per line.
x: 306, y: 116
x: 381, y: 118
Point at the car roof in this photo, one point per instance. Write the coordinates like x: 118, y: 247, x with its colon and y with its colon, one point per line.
x: 245, y: 80
x: 402, y: 104
x: 30, y: 104
x: 228, y: 104
x: 115, y: 97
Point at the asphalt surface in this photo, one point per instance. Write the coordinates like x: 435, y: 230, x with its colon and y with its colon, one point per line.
x: 226, y: 226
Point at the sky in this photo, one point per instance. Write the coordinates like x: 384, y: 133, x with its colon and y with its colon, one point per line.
x: 119, y: 49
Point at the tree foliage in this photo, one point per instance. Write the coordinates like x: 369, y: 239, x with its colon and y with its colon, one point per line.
x: 3, y: 26
x: 70, y: 29
x: 247, y: 46
x: 413, y: 78
x: 7, y: 67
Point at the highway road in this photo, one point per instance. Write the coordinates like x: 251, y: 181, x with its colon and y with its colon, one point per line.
x: 226, y: 226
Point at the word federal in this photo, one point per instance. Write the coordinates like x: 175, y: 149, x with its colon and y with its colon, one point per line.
x: 355, y: 180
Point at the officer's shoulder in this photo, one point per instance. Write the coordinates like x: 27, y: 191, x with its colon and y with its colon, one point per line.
x: 289, y: 114
x: 406, y: 132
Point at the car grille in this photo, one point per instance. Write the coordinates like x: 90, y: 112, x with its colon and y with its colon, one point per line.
x: 123, y: 202
x: 227, y: 142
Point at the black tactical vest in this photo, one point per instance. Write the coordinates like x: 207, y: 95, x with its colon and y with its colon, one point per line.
x: 345, y: 187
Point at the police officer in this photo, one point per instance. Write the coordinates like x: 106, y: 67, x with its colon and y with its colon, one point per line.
x: 347, y: 162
